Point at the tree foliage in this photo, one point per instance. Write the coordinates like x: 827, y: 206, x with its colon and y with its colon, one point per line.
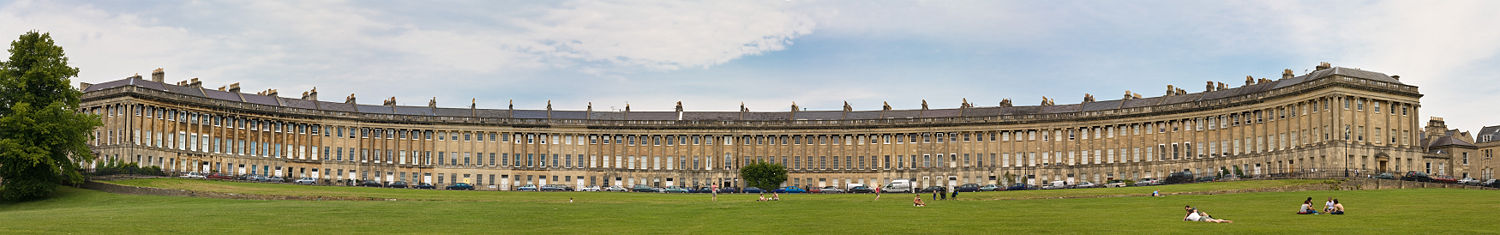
x: 42, y: 136
x: 763, y: 175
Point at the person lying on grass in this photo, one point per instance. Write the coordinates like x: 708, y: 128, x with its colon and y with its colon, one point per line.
x: 1198, y: 216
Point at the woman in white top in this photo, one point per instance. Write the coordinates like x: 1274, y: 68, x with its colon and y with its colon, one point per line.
x: 1197, y: 216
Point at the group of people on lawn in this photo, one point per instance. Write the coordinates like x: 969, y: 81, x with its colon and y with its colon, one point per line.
x: 1332, y: 207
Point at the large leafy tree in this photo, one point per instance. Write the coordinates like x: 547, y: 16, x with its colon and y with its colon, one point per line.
x: 42, y: 137
x: 763, y: 175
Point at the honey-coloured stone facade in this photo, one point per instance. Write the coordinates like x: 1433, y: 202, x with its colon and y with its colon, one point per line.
x: 1330, y: 121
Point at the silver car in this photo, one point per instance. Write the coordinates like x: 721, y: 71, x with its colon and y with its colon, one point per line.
x: 831, y: 189
x: 306, y: 181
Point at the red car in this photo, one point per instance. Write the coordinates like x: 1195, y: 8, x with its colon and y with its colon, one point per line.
x: 1445, y: 180
x: 217, y: 176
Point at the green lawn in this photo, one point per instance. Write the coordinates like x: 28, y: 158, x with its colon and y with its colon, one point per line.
x: 1410, y: 211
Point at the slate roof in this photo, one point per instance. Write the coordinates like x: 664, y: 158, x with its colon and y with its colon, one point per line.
x: 1493, y: 132
x: 766, y: 116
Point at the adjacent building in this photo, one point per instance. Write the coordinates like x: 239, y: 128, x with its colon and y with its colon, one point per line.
x: 1331, y: 121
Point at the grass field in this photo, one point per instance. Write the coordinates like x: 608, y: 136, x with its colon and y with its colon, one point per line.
x: 1409, y: 211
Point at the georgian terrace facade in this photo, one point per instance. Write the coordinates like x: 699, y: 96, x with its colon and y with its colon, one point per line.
x: 1328, y: 120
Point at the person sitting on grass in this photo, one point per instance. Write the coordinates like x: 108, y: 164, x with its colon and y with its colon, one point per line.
x: 1198, y: 216
x: 918, y: 202
x: 775, y: 196
x: 1307, y: 208
x: 1328, y: 205
x: 1338, y: 208
x: 762, y: 197
x: 1155, y: 193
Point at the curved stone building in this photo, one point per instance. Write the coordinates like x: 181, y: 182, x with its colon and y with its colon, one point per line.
x: 1325, y: 122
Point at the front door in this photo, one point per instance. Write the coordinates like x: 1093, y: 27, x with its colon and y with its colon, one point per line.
x: 1381, y: 167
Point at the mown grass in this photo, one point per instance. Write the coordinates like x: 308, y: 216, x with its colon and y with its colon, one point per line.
x: 1409, y: 211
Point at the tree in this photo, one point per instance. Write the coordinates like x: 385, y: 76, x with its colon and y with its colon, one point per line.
x: 763, y: 175
x: 42, y: 136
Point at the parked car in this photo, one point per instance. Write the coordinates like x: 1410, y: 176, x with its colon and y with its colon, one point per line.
x: 590, y: 189
x: 929, y: 189
x: 728, y: 190
x: 306, y: 181
x: 1385, y: 175
x: 616, y: 188
x: 277, y: 179
x: 1018, y: 186
x: 1115, y: 184
x: 675, y: 189
x: 1449, y: 180
x: 370, y: 183
x: 1058, y: 184
x: 753, y: 190
x: 424, y: 186
x: 641, y: 188
x: 219, y: 176
x: 193, y: 175
x: 811, y: 189
x: 1147, y: 182
x: 460, y: 186
x: 1086, y: 184
x: 990, y: 187
x: 1492, y: 183
x: 1179, y: 177
x: 832, y: 189
x: 397, y: 184
x: 897, y: 186
x: 861, y: 189
x: 1207, y: 178
x: 791, y: 189
x: 248, y: 177
x: 1469, y: 181
x: 967, y: 188
x: 1416, y: 176
x: 555, y: 188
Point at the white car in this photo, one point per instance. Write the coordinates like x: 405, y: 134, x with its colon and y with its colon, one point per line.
x: 1086, y: 184
x: 1147, y: 181
x: 616, y: 189
x: 1468, y: 181
x: 193, y: 175
x: 589, y: 189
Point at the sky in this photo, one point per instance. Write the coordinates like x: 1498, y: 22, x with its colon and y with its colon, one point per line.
x: 715, y: 55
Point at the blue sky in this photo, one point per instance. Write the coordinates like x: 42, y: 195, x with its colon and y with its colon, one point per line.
x: 767, y: 54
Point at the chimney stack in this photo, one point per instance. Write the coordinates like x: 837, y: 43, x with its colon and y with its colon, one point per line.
x: 1324, y: 65
x: 311, y: 95
x: 234, y: 87
x: 1249, y: 80
x: 195, y: 83
x: 1397, y: 77
x: 1209, y: 87
x: 1286, y: 73
x: 158, y: 75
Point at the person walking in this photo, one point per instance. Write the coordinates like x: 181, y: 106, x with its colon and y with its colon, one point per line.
x: 877, y: 192
x: 955, y: 194
x: 715, y: 189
